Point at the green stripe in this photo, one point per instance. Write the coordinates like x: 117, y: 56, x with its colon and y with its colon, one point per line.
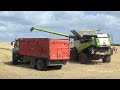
x: 109, y: 42
x: 97, y: 42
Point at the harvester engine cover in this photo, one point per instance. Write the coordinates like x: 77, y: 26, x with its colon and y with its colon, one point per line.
x: 103, y: 40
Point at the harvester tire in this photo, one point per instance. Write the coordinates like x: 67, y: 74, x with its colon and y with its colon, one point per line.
x: 73, y: 55
x: 106, y: 59
x: 41, y: 65
x: 83, y: 58
x: 58, y: 67
x: 33, y: 63
x: 15, y: 59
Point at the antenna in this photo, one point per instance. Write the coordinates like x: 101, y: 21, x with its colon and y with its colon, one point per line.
x: 112, y: 38
x: 100, y: 27
x: 98, y: 31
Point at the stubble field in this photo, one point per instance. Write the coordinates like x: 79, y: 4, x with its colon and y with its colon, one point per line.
x: 72, y: 70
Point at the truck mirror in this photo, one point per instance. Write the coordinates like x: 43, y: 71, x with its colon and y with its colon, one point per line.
x: 11, y: 43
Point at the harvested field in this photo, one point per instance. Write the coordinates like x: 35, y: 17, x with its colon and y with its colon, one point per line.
x: 72, y: 70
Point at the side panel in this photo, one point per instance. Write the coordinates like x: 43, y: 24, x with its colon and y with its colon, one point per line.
x: 43, y: 48
x: 32, y: 47
x: 59, y: 49
x: 53, y: 49
x: 23, y: 47
x: 81, y: 46
x: 27, y: 46
x: 38, y: 47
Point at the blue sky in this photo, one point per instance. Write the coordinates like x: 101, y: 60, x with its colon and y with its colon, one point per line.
x: 15, y: 24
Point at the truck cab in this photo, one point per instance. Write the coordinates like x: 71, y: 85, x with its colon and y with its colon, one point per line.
x: 15, y: 45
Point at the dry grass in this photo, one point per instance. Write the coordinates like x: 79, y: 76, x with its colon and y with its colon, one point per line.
x: 73, y: 70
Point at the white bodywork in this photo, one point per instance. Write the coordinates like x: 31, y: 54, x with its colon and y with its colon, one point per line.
x: 103, y: 39
x: 102, y: 35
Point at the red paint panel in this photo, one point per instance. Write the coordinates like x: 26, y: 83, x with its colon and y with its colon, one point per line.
x: 43, y: 48
x: 59, y: 49
x: 53, y: 49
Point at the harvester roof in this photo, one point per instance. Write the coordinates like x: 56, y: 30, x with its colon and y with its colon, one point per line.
x: 87, y: 32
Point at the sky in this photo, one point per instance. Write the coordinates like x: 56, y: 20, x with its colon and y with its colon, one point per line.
x: 17, y: 24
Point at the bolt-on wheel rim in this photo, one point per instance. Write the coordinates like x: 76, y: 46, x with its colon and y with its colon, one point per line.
x: 41, y: 65
x: 33, y: 64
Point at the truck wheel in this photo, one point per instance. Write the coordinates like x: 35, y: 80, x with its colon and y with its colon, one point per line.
x: 58, y: 67
x: 15, y: 59
x: 33, y: 63
x: 41, y: 65
x: 83, y: 58
x: 106, y: 59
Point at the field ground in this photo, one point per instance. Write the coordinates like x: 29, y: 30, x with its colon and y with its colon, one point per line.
x: 72, y: 70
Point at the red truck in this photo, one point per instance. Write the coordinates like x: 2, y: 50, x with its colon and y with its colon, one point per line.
x: 41, y: 52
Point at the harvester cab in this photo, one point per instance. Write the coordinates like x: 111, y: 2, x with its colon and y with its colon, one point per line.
x: 91, y: 37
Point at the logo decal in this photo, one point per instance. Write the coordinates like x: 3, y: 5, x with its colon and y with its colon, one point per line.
x: 104, y: 43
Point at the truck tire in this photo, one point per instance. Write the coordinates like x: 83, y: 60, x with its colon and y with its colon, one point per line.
x: 83, y: 58
x: 33, y: 63
x: 106, y: 59
x: 41, y: 65
x: 14, y: 59
x: 58, y: 67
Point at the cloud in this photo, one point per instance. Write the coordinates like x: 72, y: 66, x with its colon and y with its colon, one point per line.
x: 15, y: 24
x: 112, y: 13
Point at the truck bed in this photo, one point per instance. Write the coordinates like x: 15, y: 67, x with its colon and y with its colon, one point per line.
x: 52, y: 49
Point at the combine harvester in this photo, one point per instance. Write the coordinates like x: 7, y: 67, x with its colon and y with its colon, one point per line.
x: 88, y: 45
